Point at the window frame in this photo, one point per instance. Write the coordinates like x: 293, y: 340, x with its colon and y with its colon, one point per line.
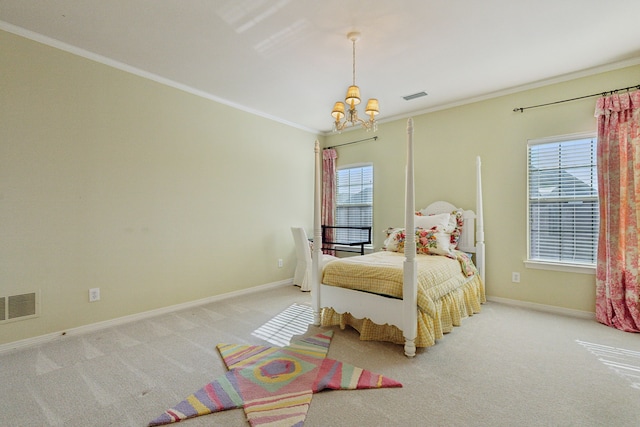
x: 544, y: 264
x: 368, y: 247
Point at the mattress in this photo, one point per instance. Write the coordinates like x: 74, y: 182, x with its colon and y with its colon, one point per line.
x: 448, y: 291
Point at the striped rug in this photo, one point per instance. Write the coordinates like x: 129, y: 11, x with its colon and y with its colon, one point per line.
x: 274, y: 385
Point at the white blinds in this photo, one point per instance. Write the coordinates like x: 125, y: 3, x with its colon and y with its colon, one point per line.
x: 563, y: 201
x: 354, y: 202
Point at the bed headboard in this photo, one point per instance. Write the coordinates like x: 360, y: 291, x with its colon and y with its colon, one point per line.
x: 467, y: 241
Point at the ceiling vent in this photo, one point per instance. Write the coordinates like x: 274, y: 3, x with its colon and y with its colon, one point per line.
x: 414, y: 96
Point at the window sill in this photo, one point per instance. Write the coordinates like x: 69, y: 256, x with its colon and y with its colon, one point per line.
x: 556, y: 266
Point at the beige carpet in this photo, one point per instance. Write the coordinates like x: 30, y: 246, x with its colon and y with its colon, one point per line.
x: 506, y: 366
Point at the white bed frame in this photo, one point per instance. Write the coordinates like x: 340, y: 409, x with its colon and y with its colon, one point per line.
x: 402, y: 313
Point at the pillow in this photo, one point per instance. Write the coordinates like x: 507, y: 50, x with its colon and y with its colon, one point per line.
x: 454, y: 225
x: 434, y: 241
x: 429, y: 221
x: 456, y: 221
x: 468, y: 268
x: 394, y: 235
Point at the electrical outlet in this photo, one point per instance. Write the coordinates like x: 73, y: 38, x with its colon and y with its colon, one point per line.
x: 94, y: 294
x: 280, y: 263
x: 515, y: 277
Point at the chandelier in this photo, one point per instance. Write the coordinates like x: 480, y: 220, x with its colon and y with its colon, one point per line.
x: 352, y: 99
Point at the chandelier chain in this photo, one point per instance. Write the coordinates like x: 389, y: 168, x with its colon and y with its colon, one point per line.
x: 354, y: 61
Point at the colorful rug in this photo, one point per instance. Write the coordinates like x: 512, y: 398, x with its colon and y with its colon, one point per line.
x: 274, y: 385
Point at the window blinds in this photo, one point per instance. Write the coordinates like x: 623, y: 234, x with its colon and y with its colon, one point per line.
x: 354, y: 201
x: 563, y: 201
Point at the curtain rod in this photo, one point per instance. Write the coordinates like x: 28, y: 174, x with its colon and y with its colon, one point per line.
x: 610, y: 92
x: 353, y: 142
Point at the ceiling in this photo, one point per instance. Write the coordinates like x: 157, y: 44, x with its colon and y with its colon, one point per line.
x: 290, y: 60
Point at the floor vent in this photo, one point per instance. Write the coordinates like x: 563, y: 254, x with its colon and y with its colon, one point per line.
x: 18, y: 307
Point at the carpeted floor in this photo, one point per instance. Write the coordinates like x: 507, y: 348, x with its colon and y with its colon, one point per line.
x: 505, y: 366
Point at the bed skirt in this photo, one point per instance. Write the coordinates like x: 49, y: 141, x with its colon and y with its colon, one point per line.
x: 450, y: 310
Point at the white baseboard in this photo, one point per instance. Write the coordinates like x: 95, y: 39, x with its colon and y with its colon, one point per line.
x: 93, y: 327
x: 543, y: 307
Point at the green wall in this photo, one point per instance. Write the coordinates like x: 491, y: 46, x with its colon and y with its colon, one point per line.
x: 154, y: 195
x: 160, y: 197
x: 446, y: 145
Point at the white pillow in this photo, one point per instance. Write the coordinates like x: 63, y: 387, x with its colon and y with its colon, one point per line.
x: 429, y: 221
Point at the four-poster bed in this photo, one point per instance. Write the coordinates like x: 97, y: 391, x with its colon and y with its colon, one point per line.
x: 407, y: 298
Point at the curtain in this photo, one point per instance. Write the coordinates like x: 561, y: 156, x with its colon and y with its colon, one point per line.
x: 617, y: 287
x: 329, y: 193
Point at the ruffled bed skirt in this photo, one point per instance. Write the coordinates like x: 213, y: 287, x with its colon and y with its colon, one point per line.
x: 450, y: 310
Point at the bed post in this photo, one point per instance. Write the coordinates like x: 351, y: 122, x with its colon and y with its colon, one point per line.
x: 409, y: 289
x: 317, y: 238
x: 479, y: 221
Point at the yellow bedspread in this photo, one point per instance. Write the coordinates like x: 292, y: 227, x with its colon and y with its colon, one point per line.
x: 445, y: 294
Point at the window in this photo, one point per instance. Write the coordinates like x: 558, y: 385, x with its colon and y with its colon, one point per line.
x: 563, y: 201
x: 354, y: 201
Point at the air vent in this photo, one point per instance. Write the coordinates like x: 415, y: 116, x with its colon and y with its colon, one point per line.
x: 18, y: 307
x: 414, y: 96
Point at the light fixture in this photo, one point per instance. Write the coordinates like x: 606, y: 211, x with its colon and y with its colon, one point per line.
x: 352, y: 99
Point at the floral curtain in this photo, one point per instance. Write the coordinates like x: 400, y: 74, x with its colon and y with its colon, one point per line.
x: 329, y: 192
x: 617, y: 286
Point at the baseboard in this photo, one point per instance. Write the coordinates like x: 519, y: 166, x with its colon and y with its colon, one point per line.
x: 543, y: 307
x: 93, y: 327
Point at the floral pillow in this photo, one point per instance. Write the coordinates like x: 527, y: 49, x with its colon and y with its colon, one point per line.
x: 434, y: 241
x: 453, y: 227
x: 394, y: 235
x: 456, y: 222
x: 468, y: 268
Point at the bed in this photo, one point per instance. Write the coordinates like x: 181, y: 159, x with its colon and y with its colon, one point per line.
x: 400, y: 295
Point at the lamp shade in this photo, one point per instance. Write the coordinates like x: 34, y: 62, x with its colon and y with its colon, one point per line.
x: 353, y: 96
x: 372, y: 107
x: 338, y: 111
